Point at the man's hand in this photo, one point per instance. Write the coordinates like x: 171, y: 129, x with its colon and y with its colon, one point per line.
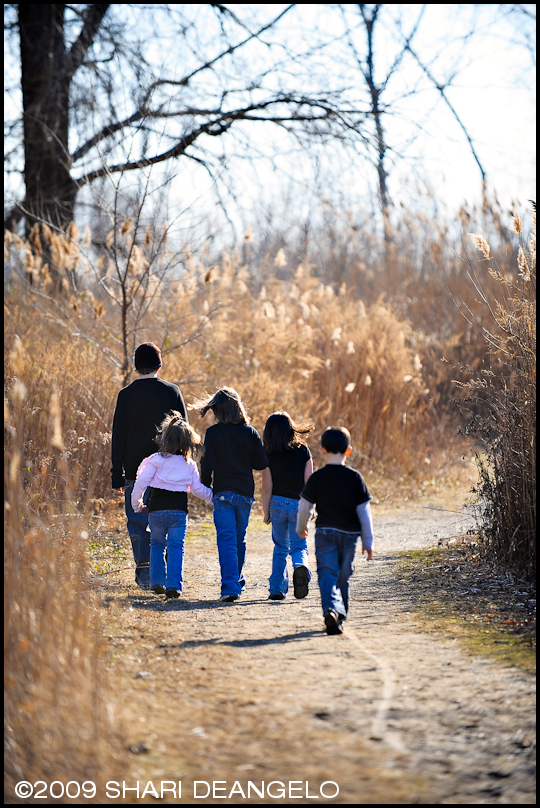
x: 303, y: 535
x: 266, y: 518
x: 369, y: 554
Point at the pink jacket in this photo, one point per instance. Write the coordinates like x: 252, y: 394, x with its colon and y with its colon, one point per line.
x: 173, y: 473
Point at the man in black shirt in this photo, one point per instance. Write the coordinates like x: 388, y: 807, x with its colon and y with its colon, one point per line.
x: 140, y: 408
x: 341, y: 498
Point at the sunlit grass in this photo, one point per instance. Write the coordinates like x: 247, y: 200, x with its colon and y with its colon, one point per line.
x: 361, y: 347
x: 453, y: 592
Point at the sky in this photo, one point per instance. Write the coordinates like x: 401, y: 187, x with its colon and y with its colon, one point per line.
x: 492, y: 91
x: 494, y: 97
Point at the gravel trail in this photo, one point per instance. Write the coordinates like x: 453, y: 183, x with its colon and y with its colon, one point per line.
x: 255, y: 691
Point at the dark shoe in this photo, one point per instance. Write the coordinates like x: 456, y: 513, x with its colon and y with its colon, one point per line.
x: 332, y: 621
x: 171, y: 594
x: 158, y: 589
x: 228, y: 598
x: 301, y: 582
x: 276, y: 596
x: 142, y: 576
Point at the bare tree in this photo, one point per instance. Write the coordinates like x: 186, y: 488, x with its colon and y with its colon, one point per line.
x: 108, y: 89
x: 96, y: 101
x: 365, y: 61
x: 126, y: 279
x: 378, y: 77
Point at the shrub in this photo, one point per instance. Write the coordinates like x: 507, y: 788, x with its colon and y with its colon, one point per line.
x: 504, y: 422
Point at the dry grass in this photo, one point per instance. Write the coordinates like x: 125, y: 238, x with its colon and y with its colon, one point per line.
x: 55, y: 692
x: 313, y: 348
x: 503, y: 418
x: 458, y: 590
x: 360, y: 348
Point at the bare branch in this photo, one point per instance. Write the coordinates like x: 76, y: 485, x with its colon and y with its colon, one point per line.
x: 143, y: 108
x: 215, y: 128
x: 441, y: 88
x: 92, y: 22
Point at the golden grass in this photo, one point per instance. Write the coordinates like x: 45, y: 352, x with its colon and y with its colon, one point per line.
x: 360, y: 348
x: 297, y: 343
x: 58, y: 724
x: 502, y: 405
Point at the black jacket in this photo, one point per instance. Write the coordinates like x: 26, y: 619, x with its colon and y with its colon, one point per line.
x: 140, y: 409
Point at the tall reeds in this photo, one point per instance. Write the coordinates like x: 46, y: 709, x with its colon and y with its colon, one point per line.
x: 296, y: 342
x: 504, y: 417
x: 56, y: 722
x: 357, y: 343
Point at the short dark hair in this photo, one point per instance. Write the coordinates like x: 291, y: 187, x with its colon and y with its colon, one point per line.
x: 147, y: 358
x: 227, y: 407
x: 336, y: 439
x: 176, y: 437
x: 281, y: 433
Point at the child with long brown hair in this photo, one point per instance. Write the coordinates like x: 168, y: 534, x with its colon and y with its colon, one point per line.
x: 170, y: 473
x: 232, y: 450
x: 291, y: 466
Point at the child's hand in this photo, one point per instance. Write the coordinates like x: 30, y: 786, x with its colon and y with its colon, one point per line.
x: 369, y: 554
x: 303, y: 534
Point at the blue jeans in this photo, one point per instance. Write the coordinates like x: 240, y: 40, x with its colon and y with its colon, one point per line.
x: 167, y: 532
x: 335, y: 551
x: 283, y: 512
x: 137, y: 526
x: 231, y: 517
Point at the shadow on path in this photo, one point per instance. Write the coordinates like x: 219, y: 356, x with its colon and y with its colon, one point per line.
x: 152, y: 603
x: 285, y: 638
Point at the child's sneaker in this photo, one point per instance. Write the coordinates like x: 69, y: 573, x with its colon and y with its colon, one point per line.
x: 172, y: 594
x: 300, y: 582
x: 228, y: 598
x: 157, y: 589
x: 332, y: 621
x: 276, y: 596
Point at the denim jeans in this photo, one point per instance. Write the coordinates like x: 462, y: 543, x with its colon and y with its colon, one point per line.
x: 335, y: 551
x: 283, y: 512
x: 231, y: 517
x: 138, y: 530
x: 167, y: 533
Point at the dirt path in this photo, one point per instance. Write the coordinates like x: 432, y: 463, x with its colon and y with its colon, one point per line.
x: 256, y: 691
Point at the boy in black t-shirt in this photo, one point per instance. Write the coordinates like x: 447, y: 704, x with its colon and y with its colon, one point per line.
x: 341, y: 498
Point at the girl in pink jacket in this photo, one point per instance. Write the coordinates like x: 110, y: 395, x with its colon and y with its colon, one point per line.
x: 170, y: 473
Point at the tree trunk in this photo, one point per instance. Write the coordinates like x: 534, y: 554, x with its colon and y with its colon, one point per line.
x: 45, y: 78
x: 375, y: 92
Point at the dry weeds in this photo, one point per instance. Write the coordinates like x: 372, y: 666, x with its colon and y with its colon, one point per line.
x: 343, y: 349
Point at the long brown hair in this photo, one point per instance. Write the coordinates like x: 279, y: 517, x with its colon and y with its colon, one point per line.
x: 281, y: 433
x: 226, y: 405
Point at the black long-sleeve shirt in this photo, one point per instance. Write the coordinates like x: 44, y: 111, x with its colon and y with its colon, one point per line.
x: 140, y: 409
x: 231, y: 452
